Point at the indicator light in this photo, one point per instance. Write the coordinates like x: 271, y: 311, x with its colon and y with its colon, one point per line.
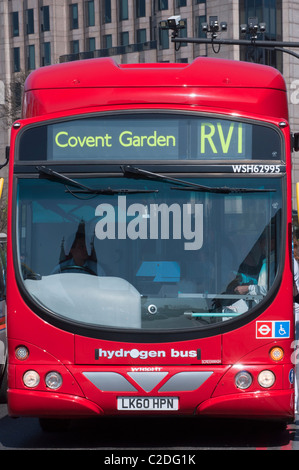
x: 21, y: 353
x: 31, y: 378
x: 276, y: 353
x: 266, y: 378
x: 243, y: 380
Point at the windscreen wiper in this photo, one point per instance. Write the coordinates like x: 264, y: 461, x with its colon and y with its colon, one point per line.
x: 227, y: 190
x: 82, y: 189
x: 133, y: 172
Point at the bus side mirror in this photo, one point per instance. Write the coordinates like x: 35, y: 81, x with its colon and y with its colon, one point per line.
x: 6, y: 157
x: 295, y: 143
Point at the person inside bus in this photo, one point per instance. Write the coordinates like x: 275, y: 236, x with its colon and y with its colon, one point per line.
x: 264, y: 281
x: 78, y: 259
x: 267, y: 269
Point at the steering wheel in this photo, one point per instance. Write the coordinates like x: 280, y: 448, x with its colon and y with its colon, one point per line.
x: 74, y: 267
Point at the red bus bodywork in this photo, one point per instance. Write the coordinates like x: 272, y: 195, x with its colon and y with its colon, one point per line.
x: 210, y: 86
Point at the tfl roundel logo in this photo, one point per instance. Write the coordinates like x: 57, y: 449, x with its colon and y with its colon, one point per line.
x: 273, y: 329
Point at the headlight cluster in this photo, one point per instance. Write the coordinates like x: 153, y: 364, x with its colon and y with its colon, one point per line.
x: 53, y: 380
x: 31, y: 378
x: 244, y: 379
x: 266, y: 378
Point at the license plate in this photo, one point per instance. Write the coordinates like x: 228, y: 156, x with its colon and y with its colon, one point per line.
x: 148, y: 404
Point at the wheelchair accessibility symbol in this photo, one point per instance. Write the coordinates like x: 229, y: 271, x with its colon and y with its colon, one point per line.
x: 273, y: 329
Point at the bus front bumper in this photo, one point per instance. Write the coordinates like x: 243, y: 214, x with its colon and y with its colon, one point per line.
x: 275, y: 405
x: 266, y: 405
x: 50, y: 405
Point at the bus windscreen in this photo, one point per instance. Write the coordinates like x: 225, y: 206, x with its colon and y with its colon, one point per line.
x: 149, y: 254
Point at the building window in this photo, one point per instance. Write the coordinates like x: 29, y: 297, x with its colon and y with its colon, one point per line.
x: 74, y: 20
x: 164, y: 38
x: 16, y: 90
x: 107, y: 41
x: 15, y: 23
x: 140, y: 8
x: 269, y: 12
x: 75, y: 48
x: 141, y: 35
x: 199, y: 20
x: 30, y: 21
x: 163, y: 5
x: 181, y: 3
x: 91, y: 44
x: 183, y: 33
x: 90, y: 17
x: 123, y: 10
x: 124, y: 38
x: 16, y: 59
x: 31, y: 57
x: 45, y: 17
x: 46, y: 56
x: 107, y: 11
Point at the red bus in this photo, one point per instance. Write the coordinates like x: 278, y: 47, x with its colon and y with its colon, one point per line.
x: 149, y: 243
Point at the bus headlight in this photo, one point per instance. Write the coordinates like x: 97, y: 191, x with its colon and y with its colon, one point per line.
x: 53, y: 380
x: 31, y: 378
x: 266, y: 378
x: 243, y: 380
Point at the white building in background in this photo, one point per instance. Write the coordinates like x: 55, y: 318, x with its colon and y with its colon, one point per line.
x: 35, y: 33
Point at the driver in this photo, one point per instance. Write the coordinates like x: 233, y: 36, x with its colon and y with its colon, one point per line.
x: 78, y: 259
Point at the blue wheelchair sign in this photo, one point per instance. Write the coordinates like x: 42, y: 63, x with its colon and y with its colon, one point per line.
x: 282, y: 329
